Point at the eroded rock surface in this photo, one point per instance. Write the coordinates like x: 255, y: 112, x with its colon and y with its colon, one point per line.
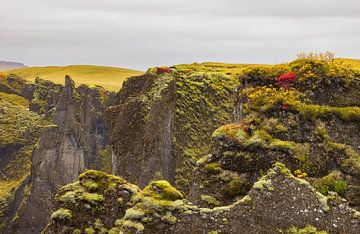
x: 277, y: 202
x: 77, y: 139
x: 163, y: 121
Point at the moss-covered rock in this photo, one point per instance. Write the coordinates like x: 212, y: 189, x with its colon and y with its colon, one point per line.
x: 96, y: 198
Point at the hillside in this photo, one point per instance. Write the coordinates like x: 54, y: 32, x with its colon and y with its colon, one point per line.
x: 6, y: 65
x: 110, y: 78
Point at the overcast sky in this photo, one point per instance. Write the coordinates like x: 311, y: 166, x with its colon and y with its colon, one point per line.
x: 144, y: 33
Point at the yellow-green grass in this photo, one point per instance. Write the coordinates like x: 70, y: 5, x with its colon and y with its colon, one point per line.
x: 229, y: 68
x: 14, y: 99
x: 111, y: 78
x: 351, y: 63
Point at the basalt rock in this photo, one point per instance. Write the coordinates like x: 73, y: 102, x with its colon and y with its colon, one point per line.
x: 163, y: 121
x: 77, y: 140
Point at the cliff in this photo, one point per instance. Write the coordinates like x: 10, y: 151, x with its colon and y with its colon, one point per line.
x: 163, y: 122
x: 75, y: 139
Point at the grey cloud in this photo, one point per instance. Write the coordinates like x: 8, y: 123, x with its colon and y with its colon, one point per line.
x: 144, y: 33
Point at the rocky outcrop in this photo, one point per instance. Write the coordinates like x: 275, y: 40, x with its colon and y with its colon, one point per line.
x: 94, y: 202
x: 13, y: 84
x: 76, y: 141
x: 163, y: 121
x: 294, y: 126
x: 278, y: 202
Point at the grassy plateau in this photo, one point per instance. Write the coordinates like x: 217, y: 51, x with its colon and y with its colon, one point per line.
x: 111, y: 78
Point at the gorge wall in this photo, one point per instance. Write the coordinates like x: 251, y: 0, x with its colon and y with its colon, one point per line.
x: 75, y: 139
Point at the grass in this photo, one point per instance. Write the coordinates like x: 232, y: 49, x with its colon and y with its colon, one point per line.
x: 111, y: 78
x: 350, y: 63
x: 228, y: 68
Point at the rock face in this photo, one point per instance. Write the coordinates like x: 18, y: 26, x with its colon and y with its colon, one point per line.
x: 76, y: 140
x: 163, y: 121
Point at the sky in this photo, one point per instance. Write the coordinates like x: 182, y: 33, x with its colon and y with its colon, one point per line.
x: 140, y: 34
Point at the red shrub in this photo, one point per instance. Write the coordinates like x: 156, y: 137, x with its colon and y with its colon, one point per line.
x: 161, y: 70
x: 286, y: 80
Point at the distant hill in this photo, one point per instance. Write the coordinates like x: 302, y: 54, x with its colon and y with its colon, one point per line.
x: 351, y: 63
x: 5, y: 65
x: 110, y: 78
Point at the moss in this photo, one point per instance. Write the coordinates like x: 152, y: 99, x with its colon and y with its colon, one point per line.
x: 204, y: 102
x: 263, y: 184
x: 61, y: 214
x: 260, y: 138
x: 272, y: 125
x: 232, y: 131
x: 234, y: 188
x: 68, y: 197
x: 91, y: 185
x: 92, y: 198
x: 203, y: 160
x: 356, y: 215
x: 76, y: 231
x: 90, y: 230
x: 322, y: 132
x: 305, y: 230
x: 162, y: 190
x: 210, y: 200
x: 168, y: 218
x: 134, y: 214
x: 323, y: 202
x: 331, y: 182
x: 213, y: 232
x: 213, y: 167
x: 115, y: 230
x: 133, y: 225
x: 146, y: 220
x: 264, y: 99
x: 310, y: 111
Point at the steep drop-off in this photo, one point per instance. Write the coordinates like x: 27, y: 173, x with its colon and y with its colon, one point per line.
x: 73, y: 140
x: 163, y: 123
